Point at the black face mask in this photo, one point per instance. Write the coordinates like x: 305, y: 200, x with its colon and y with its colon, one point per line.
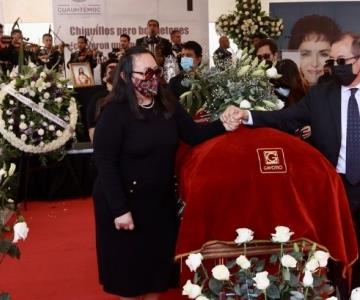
x: 343, y: 74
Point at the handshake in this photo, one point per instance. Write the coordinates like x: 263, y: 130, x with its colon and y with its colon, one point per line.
x: 233, y: 116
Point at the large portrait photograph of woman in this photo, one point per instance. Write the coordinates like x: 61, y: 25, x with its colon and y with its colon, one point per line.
x: 309, y: 30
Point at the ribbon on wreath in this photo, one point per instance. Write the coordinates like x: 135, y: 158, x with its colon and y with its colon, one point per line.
x: 34, y: 106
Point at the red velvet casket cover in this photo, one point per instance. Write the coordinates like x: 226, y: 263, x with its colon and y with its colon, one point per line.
x: 259, y: 179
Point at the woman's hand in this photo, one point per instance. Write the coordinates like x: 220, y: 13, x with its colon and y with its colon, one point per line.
x: 305, y: 132
x: 125, y: 222
x: 231, y: 118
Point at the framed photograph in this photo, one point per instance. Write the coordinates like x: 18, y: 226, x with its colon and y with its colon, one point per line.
x: 82, y: 75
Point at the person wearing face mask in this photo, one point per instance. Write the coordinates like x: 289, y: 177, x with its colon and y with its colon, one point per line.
x: 191, y: 55
x: 332, y: 110
x: 136, y: 138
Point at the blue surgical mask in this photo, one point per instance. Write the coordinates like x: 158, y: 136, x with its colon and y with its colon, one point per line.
x: 186, y: 63
x: 283, y: 91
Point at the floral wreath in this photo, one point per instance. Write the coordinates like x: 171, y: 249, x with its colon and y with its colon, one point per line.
x: 248, y: 21
x: 37, y: 111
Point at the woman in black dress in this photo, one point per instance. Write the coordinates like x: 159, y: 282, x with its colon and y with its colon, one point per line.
x: 135, y: 143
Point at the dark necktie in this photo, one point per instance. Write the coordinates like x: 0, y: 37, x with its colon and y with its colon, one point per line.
x: 353, y: 140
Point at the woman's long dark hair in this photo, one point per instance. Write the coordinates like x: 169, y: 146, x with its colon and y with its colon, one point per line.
x: 124, y: 91
x: 291, y: 78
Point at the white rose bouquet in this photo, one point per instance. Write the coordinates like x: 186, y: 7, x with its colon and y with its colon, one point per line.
x: 244, y: 83
x: 248, y: 21
x: 298, y: 272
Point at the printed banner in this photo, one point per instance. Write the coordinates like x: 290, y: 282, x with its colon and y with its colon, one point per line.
x: 103, y: 21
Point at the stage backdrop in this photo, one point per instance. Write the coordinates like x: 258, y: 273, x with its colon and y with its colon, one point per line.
x: 332, y: 17
x: 103, y: 21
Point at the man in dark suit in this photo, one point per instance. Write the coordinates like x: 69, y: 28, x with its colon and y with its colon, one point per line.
x: 191, y: 55
x: 222, y: 56
x: 152, y: 40
x: 332, y: 110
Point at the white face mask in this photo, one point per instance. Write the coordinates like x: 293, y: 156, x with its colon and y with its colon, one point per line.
x: 283, y: 91
x: 186, y: 63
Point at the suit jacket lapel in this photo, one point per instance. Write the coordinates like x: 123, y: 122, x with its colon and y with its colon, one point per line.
x: 335, y: 106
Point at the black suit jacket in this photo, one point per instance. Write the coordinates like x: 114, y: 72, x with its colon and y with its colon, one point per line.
x: 145, y: 40
x: 320, y: 108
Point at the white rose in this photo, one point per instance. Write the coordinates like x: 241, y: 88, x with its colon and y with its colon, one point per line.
x: 220, y: 272
x: 288, y: 261
x: 10, y: 128
x: 312, y: 265
x: 22, y: 117
x: 41, y: 132
x: 32, y: 123
x: 23, y: 126
x: 42, y: 144
x: 11, y: 121
x: 51, y: 127
x: 261, y: 280
x: 32, y: 94
x: 282, y: 234
x: 245, y: 104
x: 280, y: 104
x: 272, y: 72
x: 58, y: 99
x: 20, y: 231
x: 332, y: 298
x: 355, y: 294
x: 12, y: 169
x: 244, y: 235
x: 191, y: 290
x: 43, y: 75
x: 322, y: 257
x: 9, y: 112
x: 226, y: 29
x: 23, y: 137
x: 202, y: 298
x: 48, y: 84
x: 10, y: 200
x: 32, y: 83
x: 2, y: 173
x: 308, y: 279
x: 59, y: 133
x: 194, y: 261
x: 59, y: 85
x: 11, y: 102
x: 44, y: 124
x: 243, y: 262
x: 46, y: 95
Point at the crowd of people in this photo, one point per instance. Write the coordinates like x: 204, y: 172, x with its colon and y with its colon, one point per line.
x: 135, y: 125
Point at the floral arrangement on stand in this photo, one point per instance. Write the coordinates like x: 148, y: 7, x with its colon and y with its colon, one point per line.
x: 8, y: 245
x: 296, y: 274
x: 243, y: 82
x: 37, y: 111
x: 246, y: 22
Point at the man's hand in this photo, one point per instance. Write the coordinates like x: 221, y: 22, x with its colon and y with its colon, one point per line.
x: 125, y: 221
x: 233, y: 116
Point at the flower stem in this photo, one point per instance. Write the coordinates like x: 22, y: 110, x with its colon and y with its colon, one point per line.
x: 244, y: 249
x: 306, y: 293
x: 265, y: 295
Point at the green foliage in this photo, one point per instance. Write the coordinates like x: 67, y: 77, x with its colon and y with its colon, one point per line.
x: 247, y: 21
x: 243, y: 82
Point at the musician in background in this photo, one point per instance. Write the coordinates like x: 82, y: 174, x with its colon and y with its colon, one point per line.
x: 153, y: 41
x: 124, y: 45
x: 83, y: 54
x: 50, y: 56
x: 175, y: 37
x: 11, y: 54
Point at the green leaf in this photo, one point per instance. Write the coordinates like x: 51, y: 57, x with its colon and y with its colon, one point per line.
x: 313, y: 248
x: 294, y: 280
x: 230, y: 264
x: 238, y: 290
x: 260, y: 265
x: 273, y: 259
x: 273, y: 292
x: 215, y: 286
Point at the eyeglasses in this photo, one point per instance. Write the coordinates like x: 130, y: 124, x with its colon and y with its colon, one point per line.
x: 340, y: 61
x: 149, y: 73
x: 265, y: 56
